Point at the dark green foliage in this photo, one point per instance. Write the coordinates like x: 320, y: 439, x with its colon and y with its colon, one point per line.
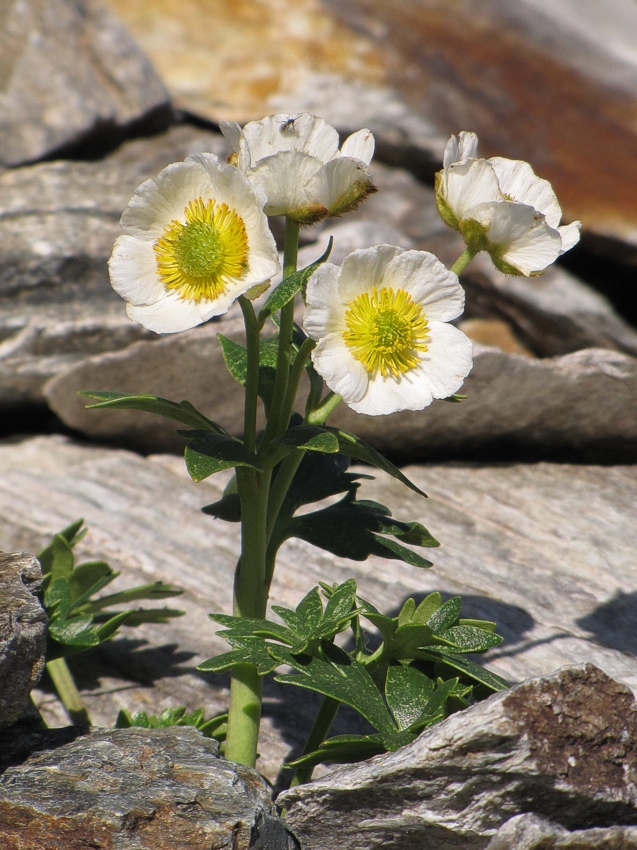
x: 416, y: 676
x: 215, y: 727
x: 78, y: 619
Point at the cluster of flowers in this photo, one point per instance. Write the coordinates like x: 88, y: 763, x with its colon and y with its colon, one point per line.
x: 197, y: 237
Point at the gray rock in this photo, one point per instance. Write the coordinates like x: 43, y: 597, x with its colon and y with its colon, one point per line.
x: 530, y: 832
x: 71, y: 75
x: 563, y: 747
x: 57, y: 228
x: 544, y: 550
x: 137, y: 788
x: 581, y: 405
x: 22, y: 633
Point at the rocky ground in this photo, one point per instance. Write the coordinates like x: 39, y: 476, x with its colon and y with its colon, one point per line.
x: 532, y: 481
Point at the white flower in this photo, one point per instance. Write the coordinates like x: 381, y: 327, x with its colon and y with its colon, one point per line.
x: 500, y: 206
x: 380, y: 321
x: 196, y: 238
x: 296, y: 160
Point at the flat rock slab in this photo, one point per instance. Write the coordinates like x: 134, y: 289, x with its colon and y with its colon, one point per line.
x: 22, y: 632
x: 136, y: 789
x: 530, y: 832
x: 546, y: 551
x: 71, y: 76
x: 563, y: 747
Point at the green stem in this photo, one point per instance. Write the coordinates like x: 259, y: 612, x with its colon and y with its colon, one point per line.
x: 320, y: 414
x: 250, y: 600
x: 296, y: 373
x: 252, y: 373
x: 276, y: 423
x: 280, y: 487
x: 463, y: 261
x: 67, y: 691
x: 318, y: 733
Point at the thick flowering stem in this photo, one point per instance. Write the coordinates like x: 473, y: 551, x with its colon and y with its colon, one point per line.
x: 463, y: 261
x: 250, y: 600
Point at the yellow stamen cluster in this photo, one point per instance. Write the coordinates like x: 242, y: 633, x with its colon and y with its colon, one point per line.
x: 385, y: 331
x: 198, y: 257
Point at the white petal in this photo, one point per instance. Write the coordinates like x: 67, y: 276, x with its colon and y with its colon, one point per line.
x: 467, y: 184
x: 341, y: 371
x: 569, y: 234
x: 463, y: 147
x: 428, y: 282
x: 133, y: 271
x: 232, y: 133
x: 389, y: 395
x: 284, y: 178
x: 359, y: 145
x: 448, y: 360
x: 170, y: 315
x: 324, y: 312
x: 519, y: 183
x: 290, y: 132
x: 163, y: 199
x: 340, y: 184
x: 363, y: 269
x: 520, y: 235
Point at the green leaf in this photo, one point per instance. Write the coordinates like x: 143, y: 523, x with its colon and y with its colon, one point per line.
x: 340, y: 677
x: 57, y: 559
x: 74, y: 633
x: 409, y: 637
x: 407, y: 691
x: 463, y: 665
x: 310, y: 438
x: 435, y: 708
x: 183, y: 412
x: 108, y: 629
x: 58, y: 600
x: 72, y: 534
x: 153, y: 590
x: 446, y: 615
x: 140, y: 616
x: 471, y: 639
x: 236, y: 359
x: 253, y: 627
x: 89, y: 578
x: 207, y: 453
x: 341, y: 749
x: 353, y: 446
x: 287, y: 289
x: 427, y: 608
x: 248, y: 650
x: 353, y: 529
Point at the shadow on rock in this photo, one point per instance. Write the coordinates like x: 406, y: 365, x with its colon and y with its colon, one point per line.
x: 131, y: 660
x: 614, y: 623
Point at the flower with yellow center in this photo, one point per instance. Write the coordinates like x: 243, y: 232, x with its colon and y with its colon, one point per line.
x: 381, y: 325
x: 196, y: 239
x: 297, y: 162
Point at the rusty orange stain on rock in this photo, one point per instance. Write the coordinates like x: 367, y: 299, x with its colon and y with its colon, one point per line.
x: 465, y: 67
x: 224, y: 60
